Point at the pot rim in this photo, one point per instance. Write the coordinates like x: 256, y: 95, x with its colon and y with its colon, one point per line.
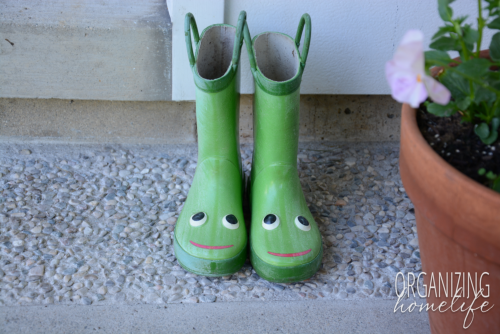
x: 416, y: 136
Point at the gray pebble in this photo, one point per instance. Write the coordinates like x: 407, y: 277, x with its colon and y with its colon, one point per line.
x: 86, y: 301
x: 175, y: 297
x: 109, y: 283
x: 207, y: 298
x: 69, y: 271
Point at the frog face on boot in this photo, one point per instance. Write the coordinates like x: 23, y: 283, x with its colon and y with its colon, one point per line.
x: 290, y: 247
x: 213, y: 242
x: 271, y: 221
x: 210, y: 234
x: 285, y: 240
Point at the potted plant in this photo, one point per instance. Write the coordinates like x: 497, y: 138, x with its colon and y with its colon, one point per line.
x: 450, y: 159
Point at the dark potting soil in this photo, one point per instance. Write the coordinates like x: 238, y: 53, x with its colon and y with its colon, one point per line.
x: 458, y: 145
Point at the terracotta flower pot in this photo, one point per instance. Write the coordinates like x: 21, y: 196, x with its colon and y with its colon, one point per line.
x: 458, y: 222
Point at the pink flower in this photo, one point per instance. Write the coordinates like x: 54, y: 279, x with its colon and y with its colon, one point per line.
x: 405, y: 74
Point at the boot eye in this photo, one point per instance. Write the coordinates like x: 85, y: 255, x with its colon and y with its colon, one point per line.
x: 302, y: 223
x: 231, y: 222
x: 270, y: 222
x: 198, y: 219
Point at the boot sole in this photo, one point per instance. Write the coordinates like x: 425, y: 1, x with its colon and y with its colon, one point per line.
x: 285, y: 274
x: 211, y: 268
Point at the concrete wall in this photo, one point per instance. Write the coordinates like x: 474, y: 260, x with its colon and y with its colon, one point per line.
x: 322, y: 118
x: 82, y: 121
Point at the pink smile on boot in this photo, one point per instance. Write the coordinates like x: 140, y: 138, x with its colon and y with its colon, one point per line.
x: 209, y: 247
x: 290, y: 254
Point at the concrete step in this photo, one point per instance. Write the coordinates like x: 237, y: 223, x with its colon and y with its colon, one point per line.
x: 89, y: 50
x: 323, y: 118
x: 237, y: 317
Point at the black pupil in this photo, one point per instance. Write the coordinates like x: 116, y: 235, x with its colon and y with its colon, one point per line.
x: 303, y: 221
x: 198, y: 216
x: 231, y: 219
x: 270, y: 219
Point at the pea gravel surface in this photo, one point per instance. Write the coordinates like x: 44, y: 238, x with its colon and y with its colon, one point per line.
x: 94, y: 224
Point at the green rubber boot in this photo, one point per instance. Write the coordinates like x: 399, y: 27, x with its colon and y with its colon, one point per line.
x: 210, y: 234
x: 285, y: 242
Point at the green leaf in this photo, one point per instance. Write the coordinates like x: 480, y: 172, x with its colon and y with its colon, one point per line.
x: 437, y: 56
x: 490, y: 175
x: 492, y: 6
x: 482, y: 171
x: 464, y: 103
x: 474, y: 111
x: 443, y: 31
x: 482, y: 131
x: 461, y: 19
x: 496, y: 185
x: 471, y: 37
x: 456, y: 84
x: 495, y: 123
x: 446, y: 44
x: 445, y: 10
x: 495, y: 24
x: 496, y: 113
x: 442, y: 111
x: 476, y: 68
x: 495, y: 47
x: 492, y: 78
x: 491, y: 138
x: 483, y: 95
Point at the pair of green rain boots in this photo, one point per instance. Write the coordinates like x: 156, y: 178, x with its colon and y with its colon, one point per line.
x: 211, y: 236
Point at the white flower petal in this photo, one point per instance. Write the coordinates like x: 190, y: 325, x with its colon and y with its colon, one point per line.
x: 411, y: 36
x: 417, y: 95
x: 437, y: 91
x: 403, y: 71
x: 405, y: 87
x: 410, y: 53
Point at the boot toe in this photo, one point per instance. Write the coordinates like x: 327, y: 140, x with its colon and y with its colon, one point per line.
x: 285, y: 240
x: 209, y: 239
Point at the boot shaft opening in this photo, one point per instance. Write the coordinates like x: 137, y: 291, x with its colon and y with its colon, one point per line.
x: 216, y: 52
x: 276, y: 56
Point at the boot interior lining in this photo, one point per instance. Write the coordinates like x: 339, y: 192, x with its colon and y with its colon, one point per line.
x: 276, y: 56
x: 216, y: 51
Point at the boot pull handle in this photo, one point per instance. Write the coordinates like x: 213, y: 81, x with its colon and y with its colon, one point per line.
x: 248, y: 44
x: 304, y: 20
x: 238, y: 41
x: 190, y: 23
